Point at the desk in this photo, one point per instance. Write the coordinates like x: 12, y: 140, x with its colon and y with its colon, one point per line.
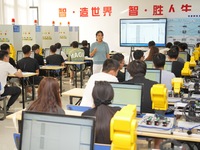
x: 25, y: 75
x: 74, y: 93
x: 48, y: 68
x: 74, y: 63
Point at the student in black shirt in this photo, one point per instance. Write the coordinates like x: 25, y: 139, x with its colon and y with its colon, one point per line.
x: 54, y: 59
x: 37, y: 56
x: 177, y: 66
x: 6, y: 47
x: 85, y: 48
x: 28, y: 64
x: 120, y: 58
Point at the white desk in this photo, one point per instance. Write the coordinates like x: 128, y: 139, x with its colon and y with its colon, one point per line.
x: 74, y: 93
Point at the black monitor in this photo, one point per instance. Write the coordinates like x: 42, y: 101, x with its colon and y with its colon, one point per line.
x: 154, y: 75
x: 137, y: 32
x: 168, y: 66
x: 66, y: 49
x: 20, y: 55
x: 47, y: 52
x: 149, y: 64
x: 126, y: 93
x: 183, y: 55
x: 151, y: 74
x: 42, y: 131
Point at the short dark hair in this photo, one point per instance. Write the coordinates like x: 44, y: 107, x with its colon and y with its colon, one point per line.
x: 53, y: 48
x: 99, y: 32
x: 173, y: 52
x: 183, y: 46
x: 58, y: 45
x: 3, y: 54
x: 159, y: 60
x: 102, y: 93
x: 35, y: 47
x: 169, y: 44
x: 75, y: 44
x: 118, y: 56
x: 26, y: 49
x: 137, y: 67
x: 198, y: 44
x: 84, y: 43
x: 110, y: 64
x: 176, y: 43
x: 151, y: 43
x: 138, y: 54
x: 5, y: 47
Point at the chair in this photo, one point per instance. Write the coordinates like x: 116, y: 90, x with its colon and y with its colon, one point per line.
x: 3, y: 109
x: 78, y: 108
x: 101, y: 146
x: 16, y: 137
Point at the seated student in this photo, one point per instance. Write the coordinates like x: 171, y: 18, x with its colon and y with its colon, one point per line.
x: 153, y: 51
x: 167, y: 47
x: 182, y: 47
x: 137, y: 70
x: 109, y: 73
x: 75, y: 54
x: 6, y: 47
x: 7, y: 68
x: 54, y: 59
x: 48, y: 99
x: 150, y: 44
x: 28, y: 64
x: 120, y: 58
x: 37, y: 56
x: 102, y: 94
x: 85, y: 48
x: 166, y: 76
x: 59, y: 47
x: 138, y: 55
x: 177, y: 66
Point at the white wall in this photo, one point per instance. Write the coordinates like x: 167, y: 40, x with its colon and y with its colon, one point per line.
x: 48, y: 11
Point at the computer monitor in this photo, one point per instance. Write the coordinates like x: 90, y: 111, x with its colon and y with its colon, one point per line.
x: 47, y: 52
x: 153, y: 74
x: 42, y: 131
x: 183, y: 55
x: 149, y: 64
x: 20, y: 55
x: 66, y: 49
x: 168, y: 66
x: 126, y: 93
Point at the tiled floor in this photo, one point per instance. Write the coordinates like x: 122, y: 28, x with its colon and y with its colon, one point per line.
x: 7, y: 126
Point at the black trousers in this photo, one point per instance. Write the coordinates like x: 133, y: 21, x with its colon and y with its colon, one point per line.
x: 14, y: 92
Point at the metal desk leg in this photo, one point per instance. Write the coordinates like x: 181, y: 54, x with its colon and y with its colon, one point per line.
x: 75, y: 76
x: 60, y: 82
x: 23, y: 101
x: 81, y: 75
x: 71, y: 99
x: 33, y: 89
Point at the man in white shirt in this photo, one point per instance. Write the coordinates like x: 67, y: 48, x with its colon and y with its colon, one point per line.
x: 166, y: 76
x: 109, y: 73
x: 7, y: 68
x: 59, y: 47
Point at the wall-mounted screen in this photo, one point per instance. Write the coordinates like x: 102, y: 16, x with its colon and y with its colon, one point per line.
x: 138, y: 32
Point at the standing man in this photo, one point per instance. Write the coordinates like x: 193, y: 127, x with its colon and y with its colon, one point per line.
x: 6, y: 69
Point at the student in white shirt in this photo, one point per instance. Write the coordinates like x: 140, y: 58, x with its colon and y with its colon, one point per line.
x: 166, y: 76
x: 109, y: 73
x: 6, y: 69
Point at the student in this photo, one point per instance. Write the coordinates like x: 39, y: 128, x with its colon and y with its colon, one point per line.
x: 54, y: 59
x: 166, y: 76
x: 7, y: 68
x: 167, y: 47
x: 150, y: 44
x: 48, y: 100
x: 138, y: 55
x: 177, y: 66
x: 85, y: 48
x: 75, y: 54
x: 182, y: 47
x: 109, y: 73
x: 59, y: 47
x: 37, y: 56
x: 153, y: 50
x: 99, y: 50
x: 120, y: 58
x: 137, y: 70
x: 102, y: 94
x: 6, y: 47
x: 28, y: 64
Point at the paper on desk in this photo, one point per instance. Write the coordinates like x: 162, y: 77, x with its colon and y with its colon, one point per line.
x: 26, y: 73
